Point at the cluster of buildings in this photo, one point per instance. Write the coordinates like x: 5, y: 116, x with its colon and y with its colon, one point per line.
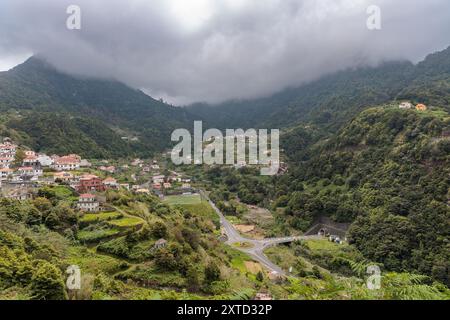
x: 18, y: 180
x: 174, y: 181
x: 406, y: 105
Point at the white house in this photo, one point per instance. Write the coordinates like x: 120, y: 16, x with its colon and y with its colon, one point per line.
x: 44, y: 160
x: 67, y: 163
x: 88, y: 202
x: 406, y: 105
x: 30, y: 171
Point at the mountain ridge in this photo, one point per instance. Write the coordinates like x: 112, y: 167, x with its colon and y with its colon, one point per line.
x: 316, y: 101
x: 35, y: 88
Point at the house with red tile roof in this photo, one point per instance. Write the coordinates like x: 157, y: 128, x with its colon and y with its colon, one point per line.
x: 88, y: 202
x: 90, y: 182
x: 67, y: 163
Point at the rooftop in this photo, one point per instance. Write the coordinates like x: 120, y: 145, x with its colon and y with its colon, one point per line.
x: 87, y: 196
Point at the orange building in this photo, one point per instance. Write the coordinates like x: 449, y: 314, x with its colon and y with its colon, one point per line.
x: 421, y: 107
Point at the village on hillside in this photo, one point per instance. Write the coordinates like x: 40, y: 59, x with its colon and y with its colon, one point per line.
x: 24, y: 172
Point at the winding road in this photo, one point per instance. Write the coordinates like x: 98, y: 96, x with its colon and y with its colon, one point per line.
x: 256, y: 247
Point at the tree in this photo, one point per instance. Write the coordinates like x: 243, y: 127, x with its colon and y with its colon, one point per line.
x: 19, y: 157
x: 159, y: 230
x: 42, y: 204
x: 212, y: 273
x: 192, y: 276
x: 260, y: 276
x: 165, y: 260
x: 47, y: 282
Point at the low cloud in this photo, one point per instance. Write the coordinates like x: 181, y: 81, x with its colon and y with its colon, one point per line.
x: 214, y: 50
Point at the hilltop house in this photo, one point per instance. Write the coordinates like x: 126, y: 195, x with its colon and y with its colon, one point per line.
x: 66, y: 163
x: 88, y: 202
x: 421, y: 107
x: 90, y: 182
x: 406, y: 105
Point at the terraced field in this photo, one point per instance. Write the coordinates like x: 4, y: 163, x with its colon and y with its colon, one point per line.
x: 97, y: 234
x: 99, y: 217
x: 127, y: 222
x: 104, y: 225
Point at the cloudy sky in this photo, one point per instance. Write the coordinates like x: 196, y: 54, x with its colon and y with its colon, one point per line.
x: 215, y: 50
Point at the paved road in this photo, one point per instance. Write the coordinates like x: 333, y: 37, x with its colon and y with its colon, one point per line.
x: 257, y: 247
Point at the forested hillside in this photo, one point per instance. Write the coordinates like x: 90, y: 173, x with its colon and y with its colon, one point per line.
x: 387, y: 172
x: 105, y: 111
x: 334, y: 99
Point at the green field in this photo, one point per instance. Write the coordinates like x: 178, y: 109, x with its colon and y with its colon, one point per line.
x: 183, y: 199
x: 62, y: 192
x: 127, y: 222
x: 99, y: 217
x: 195, y: 205
x: 91, y: 262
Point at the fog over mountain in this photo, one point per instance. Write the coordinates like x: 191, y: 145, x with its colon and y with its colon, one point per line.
x: 215, y: 50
